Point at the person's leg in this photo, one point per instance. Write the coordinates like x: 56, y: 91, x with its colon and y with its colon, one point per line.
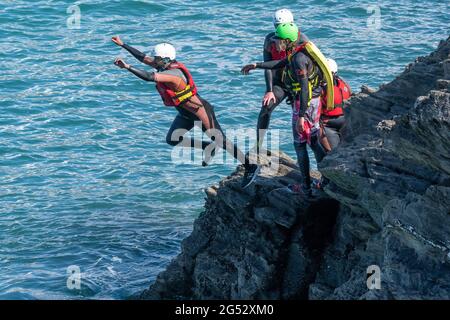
x: 214, y: 130
x: 332, y: 136
x: 337, y: 123
x: 319, y: 152
x: 324, y: 139
x: 304, y: 165
x: 265, y: 114
x: 332, y: 130
x: 300, y: 143
x: 180, y: 126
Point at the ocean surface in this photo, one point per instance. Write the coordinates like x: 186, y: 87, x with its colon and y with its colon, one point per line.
x: 87, y: 182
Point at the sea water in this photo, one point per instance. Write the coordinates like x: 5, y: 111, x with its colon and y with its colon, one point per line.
x: 92, y: 205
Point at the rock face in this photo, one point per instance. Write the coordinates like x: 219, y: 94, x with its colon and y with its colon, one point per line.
x: 387, y: 205
x: 244, y: 242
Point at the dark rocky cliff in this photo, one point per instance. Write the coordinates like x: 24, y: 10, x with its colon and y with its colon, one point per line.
x: 387, y: 204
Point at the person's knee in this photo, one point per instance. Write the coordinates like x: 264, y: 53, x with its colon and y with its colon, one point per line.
x: 333, y: 137
x: 266, y: 110
x: 300, y: 148
x: 315, y: 139
x: 316, y: 146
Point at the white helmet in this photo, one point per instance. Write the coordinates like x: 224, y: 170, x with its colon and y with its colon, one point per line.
x: 283, y: 16
x: 332, y: 65
x: 165, y: 50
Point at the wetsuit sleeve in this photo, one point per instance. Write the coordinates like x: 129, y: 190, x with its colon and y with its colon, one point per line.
x: 140, y: 55
x: 301, y: 72
x: 273, y: 65
x: 304, y: 97
x: 135, y: 52
x: 268, y: 74
x: 144, y: 75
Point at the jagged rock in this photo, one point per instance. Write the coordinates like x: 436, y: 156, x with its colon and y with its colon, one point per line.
x: 388, y: 178
x: 242, y: 245
x: 387, y: 204
x: 367, y: 90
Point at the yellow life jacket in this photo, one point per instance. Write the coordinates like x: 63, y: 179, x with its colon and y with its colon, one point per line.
x: 291, y: 83
x: 319, y: 62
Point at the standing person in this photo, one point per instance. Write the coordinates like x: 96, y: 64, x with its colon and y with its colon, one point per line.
x: 276, y: 92
x: 303, y: 77
x: 332, y: 121
x: 177, y: 89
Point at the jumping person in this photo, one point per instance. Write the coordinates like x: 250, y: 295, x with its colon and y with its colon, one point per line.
x: 303, y: 77
x: 332, y: 121
x: 177, y: 89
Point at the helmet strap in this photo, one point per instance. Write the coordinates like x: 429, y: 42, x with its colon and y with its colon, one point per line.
x: 163, y: 64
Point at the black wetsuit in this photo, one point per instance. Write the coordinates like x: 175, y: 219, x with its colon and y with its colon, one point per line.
x: 185, y: 119
x: 273, y: 84
x: 332, y: 128
x: 301, y: 68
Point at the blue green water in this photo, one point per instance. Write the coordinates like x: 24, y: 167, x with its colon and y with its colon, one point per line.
x: 86, y: 178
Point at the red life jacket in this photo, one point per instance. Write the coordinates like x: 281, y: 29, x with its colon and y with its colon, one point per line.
x: 342, y: 92
x: 299, y: 48
x: 279, y: 55
x: 173, y: 98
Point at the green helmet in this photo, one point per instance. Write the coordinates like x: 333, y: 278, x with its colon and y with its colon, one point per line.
x: 287, y: 31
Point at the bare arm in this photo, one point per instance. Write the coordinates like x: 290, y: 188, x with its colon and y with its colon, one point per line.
x: 170, y: 80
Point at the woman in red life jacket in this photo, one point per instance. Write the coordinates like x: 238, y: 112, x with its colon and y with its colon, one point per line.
x: 276, y: 92
x: 332, y: 121
x: 176, y: 86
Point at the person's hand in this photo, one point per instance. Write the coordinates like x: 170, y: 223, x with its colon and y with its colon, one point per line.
x: 269, y: 97
x: 117, y: 40
x: 300, y: 124
x: 246, y: 70
x: 121, y: 64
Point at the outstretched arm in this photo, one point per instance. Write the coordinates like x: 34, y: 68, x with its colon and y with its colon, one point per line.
x: 272, y: 65
x: 275, y: 64
x: 135, y: 52
x: 144, y: 75
x: 168, y: 79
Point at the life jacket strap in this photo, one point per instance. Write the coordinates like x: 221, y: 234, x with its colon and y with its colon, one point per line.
x: 184, y: 94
